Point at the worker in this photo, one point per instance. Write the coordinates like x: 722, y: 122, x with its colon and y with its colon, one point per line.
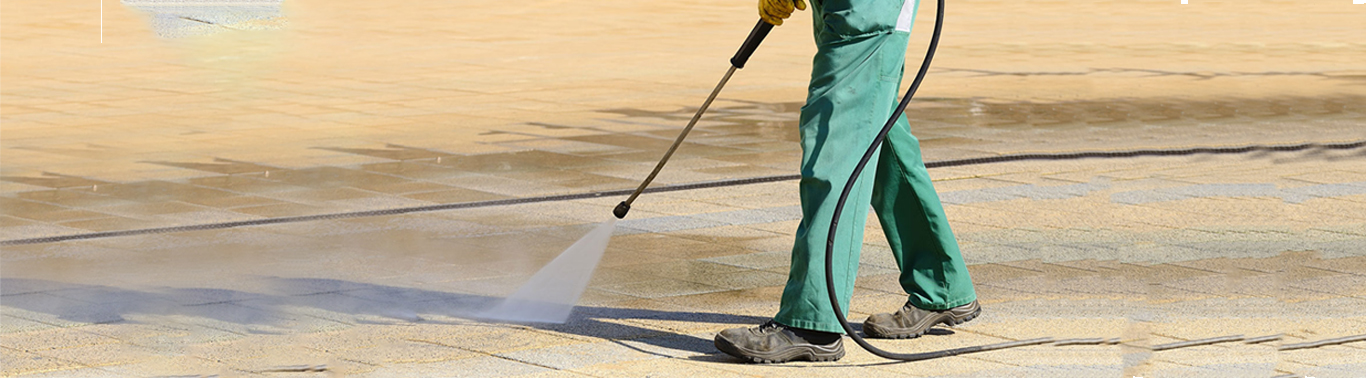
x: 855, y: 76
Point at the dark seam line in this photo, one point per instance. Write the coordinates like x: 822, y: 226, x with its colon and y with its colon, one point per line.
x: 1187, y: 344
x: 692, y: 186
x: 1316, y: 344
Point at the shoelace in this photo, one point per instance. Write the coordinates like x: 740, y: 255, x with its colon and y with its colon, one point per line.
x: 770, y: 325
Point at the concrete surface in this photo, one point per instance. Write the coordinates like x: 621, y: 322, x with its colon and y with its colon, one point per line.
x: 189, y: 115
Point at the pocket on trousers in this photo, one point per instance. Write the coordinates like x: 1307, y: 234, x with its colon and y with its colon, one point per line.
x: 892, y: 64
x: 850, y: 18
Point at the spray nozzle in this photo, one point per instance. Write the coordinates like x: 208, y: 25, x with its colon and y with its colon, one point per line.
x: 621, y: 210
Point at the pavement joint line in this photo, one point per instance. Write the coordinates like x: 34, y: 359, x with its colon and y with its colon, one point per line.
x: 1200, y: 342
x: 1081, y: 341
x: 1297, y: 285
x: 1331, y: 270
x: 352, y: 360
x: 623, y: 344
x: 1322, y: 343
x: 294, y: 369
x: 689, y: 186
x: 1069, y: 267
x: 1018, y: 365
x: 1263, y: 339
x: 476, y: 351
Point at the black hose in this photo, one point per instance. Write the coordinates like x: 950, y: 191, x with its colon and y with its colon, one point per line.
x: 839, y: 208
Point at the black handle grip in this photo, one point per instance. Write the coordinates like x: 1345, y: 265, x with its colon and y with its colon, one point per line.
x: 755, y: 36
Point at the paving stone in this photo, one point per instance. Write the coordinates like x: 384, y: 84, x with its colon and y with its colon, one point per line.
x: 760, y: 260
x: 479, y: 366
x: 164, y: 131
x: 661, y: 288
x: 18, y: 362
x: 670, y: 367
x: 504, y: 341
x: 577, y: 355
x: 50, y: 339
x: 174, y: 365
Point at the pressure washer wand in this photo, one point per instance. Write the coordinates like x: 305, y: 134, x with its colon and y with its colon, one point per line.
x: 756, y: 36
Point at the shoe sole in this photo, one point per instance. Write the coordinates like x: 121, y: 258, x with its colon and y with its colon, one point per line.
x: 947, y: 318
x: 807, y: 352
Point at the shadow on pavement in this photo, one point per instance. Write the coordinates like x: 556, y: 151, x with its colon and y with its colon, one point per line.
x: 285, y: 300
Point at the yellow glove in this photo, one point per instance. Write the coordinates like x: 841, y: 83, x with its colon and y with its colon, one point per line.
x: 774, y: 11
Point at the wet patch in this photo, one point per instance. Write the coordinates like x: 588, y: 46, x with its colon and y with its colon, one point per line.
x: 1031, y: 191
x: 188, y: 18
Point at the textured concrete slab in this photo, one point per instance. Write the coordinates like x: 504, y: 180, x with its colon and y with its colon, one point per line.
x: 190, y: 117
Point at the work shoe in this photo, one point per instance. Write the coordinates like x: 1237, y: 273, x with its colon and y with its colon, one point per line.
x: 911, y: 321
x: 773, y: 343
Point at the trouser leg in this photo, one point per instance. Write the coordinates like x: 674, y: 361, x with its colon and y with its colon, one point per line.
x: 853, y: 89
x: 932, y: 269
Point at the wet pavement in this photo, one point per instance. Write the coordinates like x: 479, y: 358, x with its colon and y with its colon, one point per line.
x: 317, y: 124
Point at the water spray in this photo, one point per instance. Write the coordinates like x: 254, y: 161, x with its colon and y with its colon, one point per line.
x: 549, y: 296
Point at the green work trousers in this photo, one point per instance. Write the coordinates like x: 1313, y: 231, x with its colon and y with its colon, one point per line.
x: 861, y: 50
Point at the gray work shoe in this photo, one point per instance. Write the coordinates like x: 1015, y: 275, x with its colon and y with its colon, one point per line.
x: 911, y: 321
x: 773, y: 342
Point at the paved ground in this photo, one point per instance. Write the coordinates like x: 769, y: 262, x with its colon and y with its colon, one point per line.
x: 186, y: 115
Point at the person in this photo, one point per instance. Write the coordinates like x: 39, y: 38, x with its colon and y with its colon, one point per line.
x: 861, y: 49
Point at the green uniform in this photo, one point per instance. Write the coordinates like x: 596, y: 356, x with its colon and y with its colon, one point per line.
x: 861, y: 51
